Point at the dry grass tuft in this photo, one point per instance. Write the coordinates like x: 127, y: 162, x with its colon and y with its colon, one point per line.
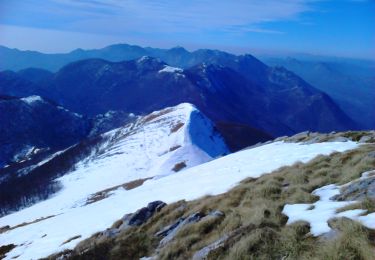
x: 352, y: 243
x: 179, y: 166
x: 176, y: 127
x: 71, y: 239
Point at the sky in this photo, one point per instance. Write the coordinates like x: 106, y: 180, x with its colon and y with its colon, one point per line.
x: 323, y: 27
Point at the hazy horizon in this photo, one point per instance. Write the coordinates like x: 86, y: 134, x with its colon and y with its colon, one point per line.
x: 336, y: 28
x: 257, y: 53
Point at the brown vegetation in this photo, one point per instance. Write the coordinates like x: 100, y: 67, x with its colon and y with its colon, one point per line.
x: 154, y: 115
x: 100, y: 195
x: 71, y: 239
x: 8, y: 228
x: 179, y: 166
x: 5, y: 249
x: 177, y: 127
x: 134, y: 184
x: 253, y: 224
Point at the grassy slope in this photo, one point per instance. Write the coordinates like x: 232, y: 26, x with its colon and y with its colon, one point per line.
x: 253, y: 219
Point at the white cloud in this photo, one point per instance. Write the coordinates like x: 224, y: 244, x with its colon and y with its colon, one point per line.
x: 165, y: 16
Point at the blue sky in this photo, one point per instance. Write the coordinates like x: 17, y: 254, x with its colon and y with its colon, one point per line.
x: 327, y: 27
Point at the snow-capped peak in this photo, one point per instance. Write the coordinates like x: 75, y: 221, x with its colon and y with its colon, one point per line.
x: 143, y: 58
x: 169, y: 69
x: 32, y: 99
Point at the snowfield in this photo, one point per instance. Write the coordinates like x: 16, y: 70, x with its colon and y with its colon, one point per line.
x: 151, y: 148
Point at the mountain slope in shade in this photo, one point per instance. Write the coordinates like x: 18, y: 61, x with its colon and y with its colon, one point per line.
x: 160, y: 143
x: 237, y: 135
x: 234, y: 89
x: 32, y: 123
x: 37, y: 76
x: 276, y: 100
x: 13, y: 84
x: 105, y: 172
x: 349, y: 82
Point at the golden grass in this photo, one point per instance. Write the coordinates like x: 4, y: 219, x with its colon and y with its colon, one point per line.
x: 100, y: 195
x: 254, y: 219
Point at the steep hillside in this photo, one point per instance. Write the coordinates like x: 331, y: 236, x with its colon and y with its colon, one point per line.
x: 14, y: 84
x: 120, y: 178
x: 349, y: 82
x: 247, y: 92
x: 31, y: 124
x: 92, y: 174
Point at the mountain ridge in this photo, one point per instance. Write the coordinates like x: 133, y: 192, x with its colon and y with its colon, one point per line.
x: 278, y: 102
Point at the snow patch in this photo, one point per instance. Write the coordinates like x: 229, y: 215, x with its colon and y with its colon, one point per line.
x: 325, y: 209
x: 32, y: 99
x: 143, y: 58
x: 169, y: 69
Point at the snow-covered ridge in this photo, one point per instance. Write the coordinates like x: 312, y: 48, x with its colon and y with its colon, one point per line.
x: 157, y: 145
x: 32, y: 99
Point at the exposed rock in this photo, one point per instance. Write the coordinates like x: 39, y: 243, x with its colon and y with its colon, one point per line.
x: 315, y: 137
x: 205, y: 251
x: 181, y: 222
x: 371, y: 154
x: 314, y: 140
x: 340, y: 139
x: 134, y: 219
x: 216, y: 213
x: 169, y: 232
x: 302, y: 134
x: 143, y: 214
x: 365, y: 139
x: 281, y: 138
x: 110, y: 233
x: 358, y: 190
x: 168, y: 229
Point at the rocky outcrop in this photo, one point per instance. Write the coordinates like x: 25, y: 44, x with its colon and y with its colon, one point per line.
x: 134, y: 219
x: 314, y: 137
x: 205, y: 251
x: 169, y: 232
x: 358, y: 190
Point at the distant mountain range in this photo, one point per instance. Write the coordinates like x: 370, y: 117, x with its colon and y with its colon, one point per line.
x: 241, y: 90
x: 88, y: 136
x: 351, y: 83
